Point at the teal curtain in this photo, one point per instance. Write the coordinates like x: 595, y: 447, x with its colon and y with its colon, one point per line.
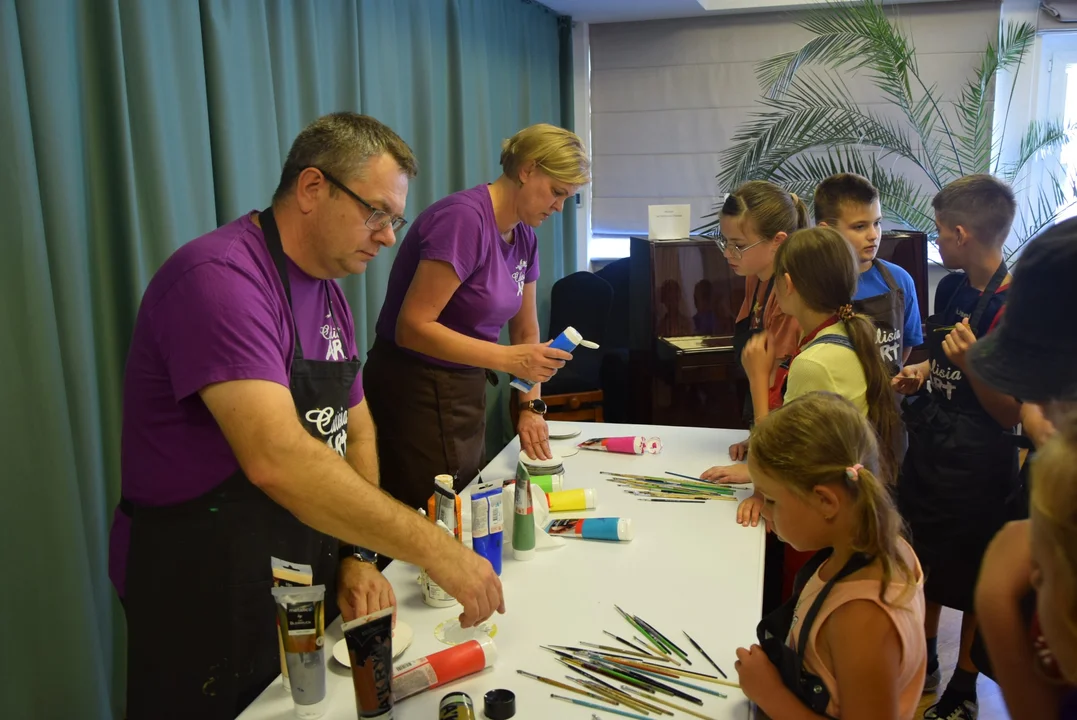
x: 128, y: 127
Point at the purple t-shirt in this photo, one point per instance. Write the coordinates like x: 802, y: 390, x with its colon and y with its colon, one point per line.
x: 461, y: 230
x: 215, y: 311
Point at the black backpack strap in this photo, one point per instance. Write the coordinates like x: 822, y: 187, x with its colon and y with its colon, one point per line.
x: 856, y: 562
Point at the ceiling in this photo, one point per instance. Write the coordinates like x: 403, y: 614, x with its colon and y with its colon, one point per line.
x: 604, y: 11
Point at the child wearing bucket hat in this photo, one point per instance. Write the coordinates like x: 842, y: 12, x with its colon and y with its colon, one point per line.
x: 1031, y: 355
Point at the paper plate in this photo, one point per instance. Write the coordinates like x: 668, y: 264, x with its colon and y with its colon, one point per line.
x: 402, y: 637
x: 563, y: 431
x: 567, y: 451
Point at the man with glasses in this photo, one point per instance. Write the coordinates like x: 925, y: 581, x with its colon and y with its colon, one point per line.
x: 246, y: 436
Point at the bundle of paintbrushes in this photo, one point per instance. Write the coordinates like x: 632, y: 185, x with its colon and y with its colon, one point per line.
x: 685, y: 489
x: 635, y: 681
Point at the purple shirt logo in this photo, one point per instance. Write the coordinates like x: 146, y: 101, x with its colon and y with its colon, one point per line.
x: 520, y: 277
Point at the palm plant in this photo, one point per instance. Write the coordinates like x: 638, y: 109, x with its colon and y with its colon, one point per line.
x: 810, y: 128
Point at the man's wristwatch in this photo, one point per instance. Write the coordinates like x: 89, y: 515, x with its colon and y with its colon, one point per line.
x: 535, y: 406
x: 359, y: 553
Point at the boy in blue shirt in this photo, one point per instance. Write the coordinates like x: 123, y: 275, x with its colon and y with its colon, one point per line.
x: 959, y: 481
x: 850, y: 204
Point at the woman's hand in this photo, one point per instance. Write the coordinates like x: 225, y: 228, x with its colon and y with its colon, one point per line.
x: 535, y: 362
x: 534, y: 435
x: 738, y: 452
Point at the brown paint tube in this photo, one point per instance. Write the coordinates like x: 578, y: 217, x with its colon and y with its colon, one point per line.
x: 370, y: 646
x: 301, y: 613
x: 286, y: 574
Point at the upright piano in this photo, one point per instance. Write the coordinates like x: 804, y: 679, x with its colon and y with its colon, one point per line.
x: 682, y: 302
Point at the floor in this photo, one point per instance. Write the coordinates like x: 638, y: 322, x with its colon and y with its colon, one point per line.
x: 989, y: 696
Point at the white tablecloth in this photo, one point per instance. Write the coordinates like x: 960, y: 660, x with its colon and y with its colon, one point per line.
x: 690, y: 567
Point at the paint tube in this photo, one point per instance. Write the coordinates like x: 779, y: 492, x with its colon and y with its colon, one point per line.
x: 570, y: 500
x: 487, y: 523
x: 443, y: 667
x: 523, y: 522
x: 286, y: 574
x: 546, y: 483
x: 615, y: 529
x: 370, y: 648
x: 433, y: 595
x: 629, y: 445
x: 568, y: 340
x: 444, y: 505
x: 301, y: 614
x: 456, y: 706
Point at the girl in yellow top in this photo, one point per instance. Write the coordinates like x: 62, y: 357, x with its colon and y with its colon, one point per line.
x: 816, y: 275
x: 816, y: 461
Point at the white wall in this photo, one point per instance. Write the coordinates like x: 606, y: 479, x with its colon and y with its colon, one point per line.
x: 667, y: 96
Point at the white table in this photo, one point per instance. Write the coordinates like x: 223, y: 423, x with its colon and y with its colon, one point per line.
x: 690, y: 567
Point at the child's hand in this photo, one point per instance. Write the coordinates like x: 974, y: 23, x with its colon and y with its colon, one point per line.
x: 958, y: 342
x: 909, y: 380
x: 738, y: 452
x: 727, y: 474
x: 759, y: 678
x: 758, y: 358
x: 749, y: 509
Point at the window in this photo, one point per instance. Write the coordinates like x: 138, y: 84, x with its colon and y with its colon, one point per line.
x: 1058, y: 101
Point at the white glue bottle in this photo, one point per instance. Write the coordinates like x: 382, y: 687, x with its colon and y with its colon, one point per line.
x: 567, y: 341
x: 433, y: 595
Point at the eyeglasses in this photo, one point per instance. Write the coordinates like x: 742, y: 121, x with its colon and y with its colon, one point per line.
x: 378, y: 219
x: 735, y: 252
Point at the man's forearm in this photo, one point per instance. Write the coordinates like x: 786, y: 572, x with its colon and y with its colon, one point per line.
x: 363, y: 444
x: 321, y: 490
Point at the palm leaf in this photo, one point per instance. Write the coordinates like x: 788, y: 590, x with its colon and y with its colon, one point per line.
x: 973, y: 112
x: 1041, y: 212
x: 1041, y: 136
x: 814, y: 114
x: 902, y: 200
x: 1015, y: 41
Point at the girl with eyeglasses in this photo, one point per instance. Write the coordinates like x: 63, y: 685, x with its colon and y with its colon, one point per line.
x: 755, y: 219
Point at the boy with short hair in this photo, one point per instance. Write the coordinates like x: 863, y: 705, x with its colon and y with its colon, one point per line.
x: 850, y: 204
x: 959, y: 481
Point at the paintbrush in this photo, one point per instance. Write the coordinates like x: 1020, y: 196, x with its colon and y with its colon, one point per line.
x: 632, y: 621
x: 686, y: 477
x: 682, y: 683
x: 697, y: 502
x: 618, y: 697
x: 660, y: 701
x: 704, y: 654
x: 620, y: 668
x: 615, y: 651
x: 581, y: 703
x: 664, y: 657
x: 608, y: 672
x: 561, y: 685
x: 650, y: 654
x: 669, y: 643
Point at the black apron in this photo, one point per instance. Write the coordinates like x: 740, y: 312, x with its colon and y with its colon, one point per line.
x: 887, y: 311
x: 959, y: 478
x: 202, y: 639
x: 773, y: 630
x: 743, y: 330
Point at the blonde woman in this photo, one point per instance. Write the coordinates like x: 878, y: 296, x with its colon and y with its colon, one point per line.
x: 467, y: 267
